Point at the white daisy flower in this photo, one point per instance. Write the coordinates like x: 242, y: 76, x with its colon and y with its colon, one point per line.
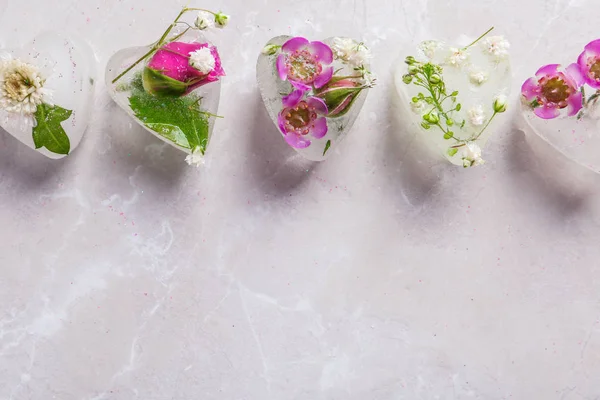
x: 471, y: 155
x: 196, y: 158
x: 476, y: 115
x: 203, y: 60
x: 497, y: 46
x: 21, y: 87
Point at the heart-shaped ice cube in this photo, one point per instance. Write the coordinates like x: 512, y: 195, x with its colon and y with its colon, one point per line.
x: 46, y: 91
x: 314, y: 91
x: 167, y: 93
x: 454, y: 95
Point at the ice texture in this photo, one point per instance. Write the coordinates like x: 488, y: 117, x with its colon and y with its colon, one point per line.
x: 457, y: 78
x: 272, y: 89
x: 67, y: 64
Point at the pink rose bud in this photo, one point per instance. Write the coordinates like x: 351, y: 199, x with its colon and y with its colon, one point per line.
x: 339, y: 95
x: 170, y: 73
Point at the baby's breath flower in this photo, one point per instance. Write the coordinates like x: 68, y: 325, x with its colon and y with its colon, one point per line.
x: 478, y: 77
x: 476, y: 115
x: 471, y: 155
x: 348, y: 50
x: 497, y: 46
x: 196, y: 158
x: 204, y: 20
x: 203, y: 60
x: 457, y: 57
x: 221, y: 20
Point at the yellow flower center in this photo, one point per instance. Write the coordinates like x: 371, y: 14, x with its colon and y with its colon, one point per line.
x: 555, y: 90
x: 300, y: 118
x: 303, y: 66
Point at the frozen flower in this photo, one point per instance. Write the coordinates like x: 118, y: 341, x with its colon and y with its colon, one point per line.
x: 589, y: 63
x: 500, y: 103
x: 204, y: 20
x: 305, y: 63
x: 221, y: 20
x: 478, y: 77
x: 348, y: 50
x: 553, y: 89
x: 471, y: 155
x: 457, y: 56
x: 196, y: 158
x: 178, y: 68
x: 476, y: 115
x: 22, y: 88
x: 301, y: 118
x: 339, y: 95
x: 203, y: 60
x: 418, y: 107
x: 429, y: 47
x: 497, y: 46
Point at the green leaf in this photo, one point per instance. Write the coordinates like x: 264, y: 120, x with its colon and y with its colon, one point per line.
x: 452, y: 151
x: 327, y: 146
x: 48, y: 132
x: 179, y: 119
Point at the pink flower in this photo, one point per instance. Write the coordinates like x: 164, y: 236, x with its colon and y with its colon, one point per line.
x: 554, y: 88
x: 589, y: 62
x: 305, y: 63
x: 301, y: 118
x: 169, y: 72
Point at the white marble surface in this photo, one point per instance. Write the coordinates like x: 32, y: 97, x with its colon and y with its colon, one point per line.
x: 375, y: 275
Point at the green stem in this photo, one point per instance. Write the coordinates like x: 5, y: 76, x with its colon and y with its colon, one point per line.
x: 479, y: 38
x: 485, y: 127
x: 160, y: 42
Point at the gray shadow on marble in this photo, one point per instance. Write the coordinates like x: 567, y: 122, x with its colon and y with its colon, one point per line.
x: 414, y: 171
x: 30, y: 168
x: 539, y: 170
x: 132, y: 147
x: 275, y: 168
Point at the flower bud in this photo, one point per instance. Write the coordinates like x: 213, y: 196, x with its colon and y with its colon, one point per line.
x: 435, y: 79
x: 221, y: 20
x: 412, y: 69
x: 432, y: 118
x: 410, y: 60
x: 339, y: 95
x: 271, y: 49
x: 500, y: 103
x: 204, y: 20
x: 407, y: 78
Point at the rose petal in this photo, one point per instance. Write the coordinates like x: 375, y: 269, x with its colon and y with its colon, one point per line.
x: 575, y: 103
x: 318, y: 104
x: 593, y: 47
x: 300, y: 86
x: 546, y: 112
x: 321, y: 51
x: 574, y: 72
x: 292, y: 99
x: 294, y: 44
x: 281, y: 68
x: 547, y: 70
x: 530, y: 89
x: 320, y: 128
x: 324, y: 78
x: 296, y: 141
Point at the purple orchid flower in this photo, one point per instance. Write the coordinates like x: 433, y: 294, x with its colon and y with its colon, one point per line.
x: 554, y: 88
x: 305, y: 63
x: 301, y: 118
x: 589, y: 62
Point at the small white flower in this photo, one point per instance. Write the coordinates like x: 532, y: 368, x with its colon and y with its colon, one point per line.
x: 221, y: 20
x: 196, y: 158
x: 429, y: 47
x: 500, y: 103
x: 478, y: 77
x: 457, y: 57
x: 497, y: 46
x: 476, y: 115
x: 348, y: 50
x: 369, y: 79
x: 21, y: 87
x: 203, y: 60
x: 204, y: 20
x: 419, y: 107
x: 471, y: 155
